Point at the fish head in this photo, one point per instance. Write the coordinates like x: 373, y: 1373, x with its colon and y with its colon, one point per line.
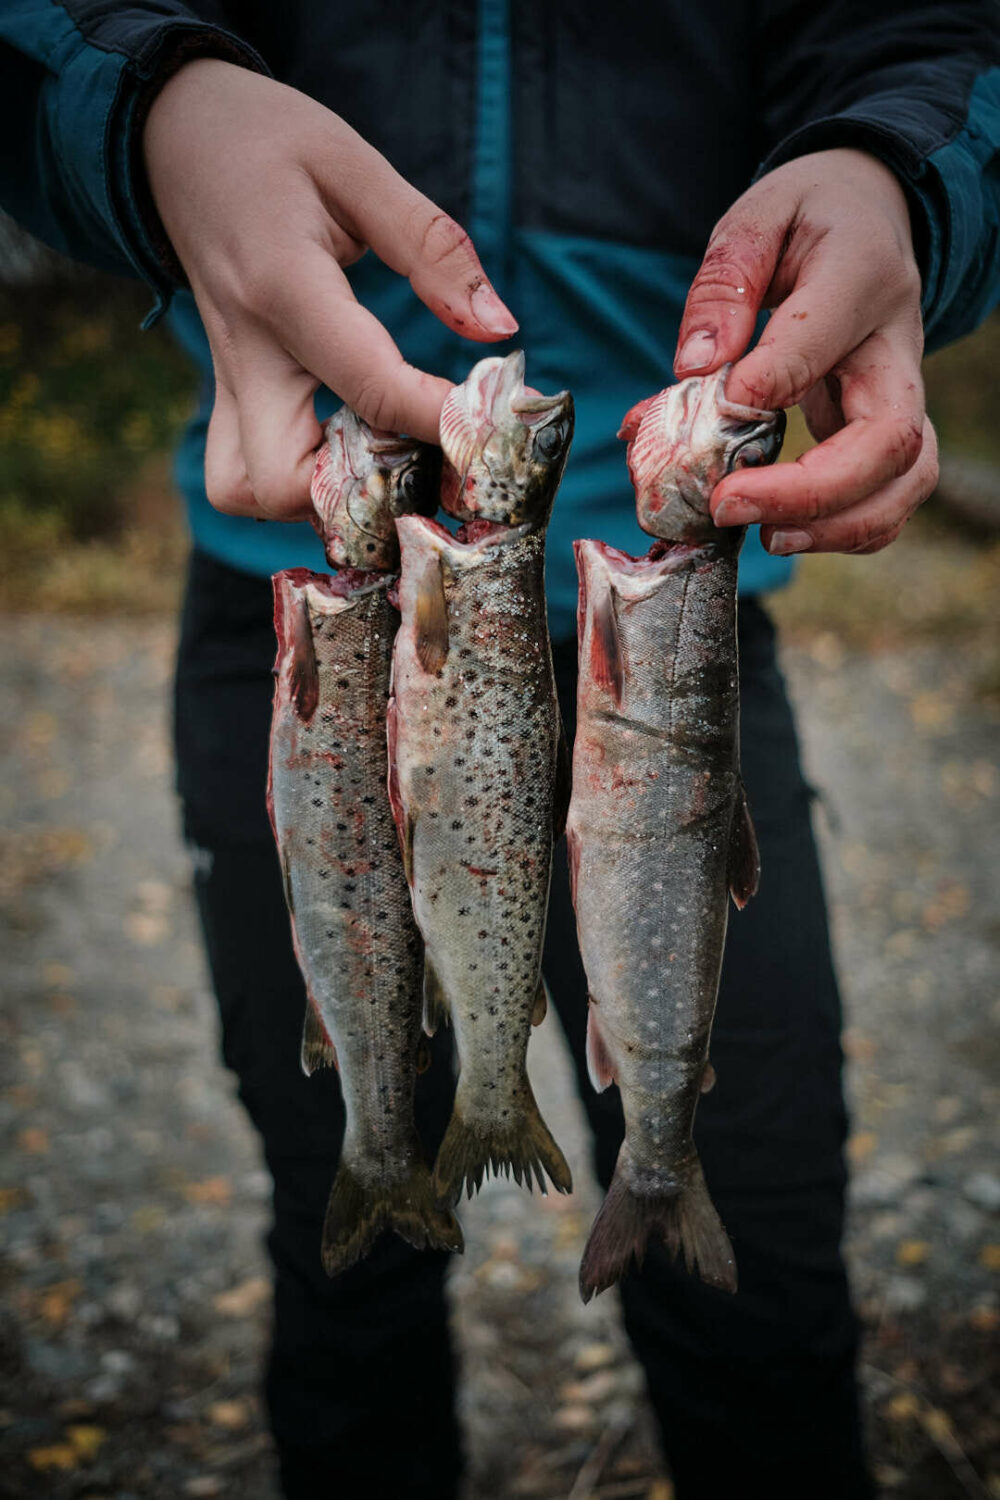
x: 364, y: 478
x: 505, y: 445
x: 682, y: 442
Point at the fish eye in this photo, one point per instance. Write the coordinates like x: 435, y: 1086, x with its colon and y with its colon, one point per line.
x: 750, y: 457
x: 409, y: 487
x: 549, y: 439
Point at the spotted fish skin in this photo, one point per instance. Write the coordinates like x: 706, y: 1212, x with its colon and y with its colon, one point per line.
x: 354, y: 934
x: 658, y: 835
x: 363, y: 479
x: 474, y: 732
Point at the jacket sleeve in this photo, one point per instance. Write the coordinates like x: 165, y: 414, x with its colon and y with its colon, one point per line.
x: 917, y: 85
x: 77, y: 78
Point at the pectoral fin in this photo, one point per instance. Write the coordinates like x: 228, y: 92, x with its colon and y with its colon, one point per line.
x: 744, y: 856
x: 431, y: 617
x: 541, y: 1005
x: 607, y: 665
x: 304, y: 673
x: 435, y: 1001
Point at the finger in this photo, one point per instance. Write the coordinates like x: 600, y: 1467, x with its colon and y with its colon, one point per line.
x: 226, y: 481
x: 343, y: 345
x: 881, y: 397
x: 418, y: 240
x: 871, y: 524
x: 279, y: 433
x: 728, y: 291
x: 817, y: 324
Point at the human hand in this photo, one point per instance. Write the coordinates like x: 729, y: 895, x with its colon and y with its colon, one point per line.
x: 825, y: 240
x: 266, y: 197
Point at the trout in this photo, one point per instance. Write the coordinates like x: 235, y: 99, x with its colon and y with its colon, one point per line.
x: 659, y: 831
x: 364, y: 478
x: 356, y: 942
x: 477, y: 777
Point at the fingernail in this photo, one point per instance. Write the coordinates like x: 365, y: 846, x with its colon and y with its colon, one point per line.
x: 490, y: 311
x: 735, y: 512
x: 784, y: 542
x: 698, y: 351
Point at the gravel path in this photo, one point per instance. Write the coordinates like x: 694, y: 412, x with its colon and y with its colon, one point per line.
x: 133, y: 1201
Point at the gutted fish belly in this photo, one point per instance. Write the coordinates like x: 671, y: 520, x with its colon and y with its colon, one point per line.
x: 474, y: 733
x: 355, y: 938
x: 658, y: 834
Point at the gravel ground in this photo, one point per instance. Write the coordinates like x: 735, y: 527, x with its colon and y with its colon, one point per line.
x: 133, y: 1201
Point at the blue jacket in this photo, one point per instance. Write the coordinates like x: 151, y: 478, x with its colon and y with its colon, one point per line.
x: 587, y: 148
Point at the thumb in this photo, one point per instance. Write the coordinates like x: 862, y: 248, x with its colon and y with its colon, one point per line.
x: 728, y: 292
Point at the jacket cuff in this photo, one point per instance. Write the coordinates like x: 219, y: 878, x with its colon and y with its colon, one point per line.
x: 947, y: 193
x: 104, y: 175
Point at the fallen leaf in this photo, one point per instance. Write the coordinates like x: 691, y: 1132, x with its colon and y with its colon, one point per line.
x: 240, y: 1301
x: 56, y: 1301
x: 229, y: 1414
x: 937, y: 1424
x: 34, y: 1140
x: 911, y: 1252
x: 56, y: 1456
x: 149, y: 1218
x: 217, y: 1191
x: 661, y: 1489
x: 989, y: 1256
x: 861, y: 1145
x: 902, y: 1407
x: 12, y: 1197
x: 86, y: 1440
x: 985, y: 1319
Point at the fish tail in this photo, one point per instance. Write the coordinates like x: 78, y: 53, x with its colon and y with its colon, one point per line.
x: 685, y: 1220
x: 358, y: 1212
x: 472, y: 1148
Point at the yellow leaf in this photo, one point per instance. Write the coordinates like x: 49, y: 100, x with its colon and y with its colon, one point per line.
x: 902, y: 1407
x: 12, y: 1197
x: 912, y: 1252
x: 662, y: 1489
x: 229, y: 1414
x: 862, y: 1145
x: 86, y: 1440
x: 57, y: 1456
x: 212, y: 1190
x: 989, y: 1256
x: 56, y: 1301
x: 34, y: 1140
x: 937, y: 1424
x: 240, y: 1301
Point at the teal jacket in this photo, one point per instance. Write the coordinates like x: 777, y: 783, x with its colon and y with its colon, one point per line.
x: 587, y: 160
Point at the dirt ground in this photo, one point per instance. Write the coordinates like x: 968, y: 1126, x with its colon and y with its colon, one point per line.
x: 135, y: 1298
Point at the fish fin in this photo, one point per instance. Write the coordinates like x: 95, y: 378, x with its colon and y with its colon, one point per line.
x: 541, y: 1005
x: 708, y: 1079
x: 437, y: 1011
x: 423, y: 1055
x: 606, y: 664
x: 600, y: 1063
x: 318, y: 1050
x: 357, y: 1212
x: 303, y: 678
x: 563, y: 783
x: 686, y: 1221
x: 472, y: 1149
x: 573, y: 860
x: 431, y: 617
x: 632, y: 420
x: 744, y: 856
x: 286, y: 881
x: 404, y: 826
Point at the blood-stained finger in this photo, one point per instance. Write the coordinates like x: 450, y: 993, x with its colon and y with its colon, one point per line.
x: 872, y: 523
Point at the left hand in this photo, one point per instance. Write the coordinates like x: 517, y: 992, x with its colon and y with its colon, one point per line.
x: 825, y: 240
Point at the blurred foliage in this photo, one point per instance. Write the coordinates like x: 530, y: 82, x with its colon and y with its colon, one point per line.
x: 963, y: 393
x: 90, y: 406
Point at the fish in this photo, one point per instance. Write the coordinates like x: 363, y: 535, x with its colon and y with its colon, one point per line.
x: 659, y: 831
x: 355, y: 938
x: 682, y: 442
x: 505, y: 445
x: 363, y: 479
x: 479, y: 769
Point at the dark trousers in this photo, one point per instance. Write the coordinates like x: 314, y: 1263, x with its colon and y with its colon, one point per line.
x: 755, y: 1390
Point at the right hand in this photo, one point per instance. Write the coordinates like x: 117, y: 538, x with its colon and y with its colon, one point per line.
x: 266, y: 196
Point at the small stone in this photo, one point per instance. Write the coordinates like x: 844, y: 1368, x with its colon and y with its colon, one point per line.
x: 903, y: 1294
x: 983, y: 1189
x: 124, y: 1301
x: 595, y: 1357
x: 574, y: 1419
x: 117, y: 1362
